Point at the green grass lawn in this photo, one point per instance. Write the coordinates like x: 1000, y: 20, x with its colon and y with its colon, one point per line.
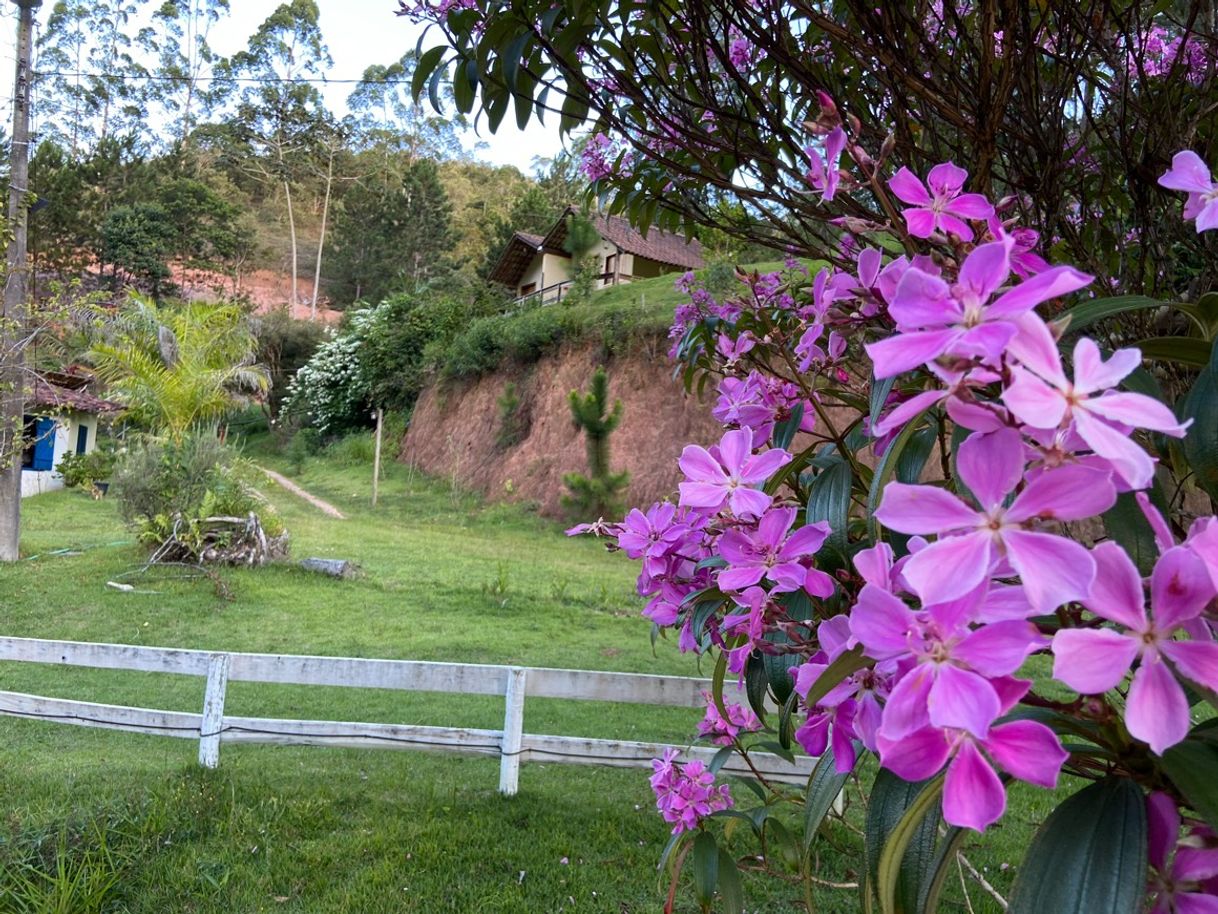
x: 330, y: 830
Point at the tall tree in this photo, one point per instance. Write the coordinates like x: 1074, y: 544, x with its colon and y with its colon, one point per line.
x: 187, y: 85
x: 384, y: 114
x: 279, y: 111
x: 391, y: 237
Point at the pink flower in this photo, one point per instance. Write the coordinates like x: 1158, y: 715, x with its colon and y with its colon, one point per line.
x: 1053, y: 570
x: 724, y: 731
x: 822, y: 172
x: 1181, y: 869
x: 654, y: 535
x: 1094, y: 660
x: 973, y: 795
x: 951, y: 682
x: 686, y: 793
x: 1045, y: 398
x: 1188, y: 173
x: 944, y: 208
x: 935, y: 319
x: 768, y: 552
x: 729, y: 475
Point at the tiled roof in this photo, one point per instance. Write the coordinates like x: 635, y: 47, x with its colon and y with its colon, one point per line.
x: 662, y: 247
x: 516, y: 258
x: 54, y: 396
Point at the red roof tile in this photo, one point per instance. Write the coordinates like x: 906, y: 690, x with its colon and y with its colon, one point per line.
x: 53, y: 396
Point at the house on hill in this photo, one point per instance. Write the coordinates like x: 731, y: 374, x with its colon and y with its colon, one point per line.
x: 538, y: 267
x: 61, y: 418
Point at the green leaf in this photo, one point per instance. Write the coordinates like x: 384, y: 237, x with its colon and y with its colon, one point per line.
x: 1089, y: 856
x: 424, y: 68
x: 902, y: 825
x: 885, y: 469
x: 1200, y: 444
x: 913, y: 458
x: 1187, y: 350
x: 782, y: 839
x: 1097, y: 309
x: 730, y: 891
x: 1126, y: 524
x: 879, y: 395
x: 823, y: 788
x: 829, y: 500
x: 706, y: 868
x: 784, y: 432
x: 849, y: 662
x: 1193, y: 767
x: 945, y: 855
x: 756, y: 681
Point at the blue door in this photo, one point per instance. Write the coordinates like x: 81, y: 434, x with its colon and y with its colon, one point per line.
x: 44, y: 445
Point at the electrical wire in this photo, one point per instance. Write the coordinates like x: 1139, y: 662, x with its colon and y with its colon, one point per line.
x: 243, y: 80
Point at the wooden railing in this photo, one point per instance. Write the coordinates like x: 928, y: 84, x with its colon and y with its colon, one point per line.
x: 555, y: 293
x: 212, y: 727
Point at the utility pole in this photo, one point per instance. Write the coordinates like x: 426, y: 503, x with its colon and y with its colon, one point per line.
x: 13, y: 321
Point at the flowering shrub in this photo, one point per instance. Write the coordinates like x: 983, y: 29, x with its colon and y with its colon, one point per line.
x: 945, y: 540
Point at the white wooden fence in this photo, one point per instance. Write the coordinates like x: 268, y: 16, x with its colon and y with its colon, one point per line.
x: 213, y: 727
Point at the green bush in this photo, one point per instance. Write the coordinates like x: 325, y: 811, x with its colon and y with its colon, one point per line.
x: 167, y: 488
x: 83, y: 470
x: 356, y: 449
x: 513, y: 424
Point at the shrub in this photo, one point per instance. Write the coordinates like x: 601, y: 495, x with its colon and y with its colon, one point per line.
x: 599, y: 492
x: 513, y: 424
x: 83, y: 470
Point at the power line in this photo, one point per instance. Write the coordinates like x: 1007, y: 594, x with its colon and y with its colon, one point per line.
x: 245, y: 80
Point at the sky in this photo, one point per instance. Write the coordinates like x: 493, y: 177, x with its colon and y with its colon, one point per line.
x: 359, y: 33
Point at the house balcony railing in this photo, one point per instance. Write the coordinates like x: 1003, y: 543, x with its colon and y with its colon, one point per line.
x: 552, y: 294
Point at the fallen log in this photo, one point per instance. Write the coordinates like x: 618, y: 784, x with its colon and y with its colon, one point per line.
x: 335, y: 568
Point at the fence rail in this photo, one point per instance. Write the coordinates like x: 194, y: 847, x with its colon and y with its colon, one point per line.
x: 212, y: 727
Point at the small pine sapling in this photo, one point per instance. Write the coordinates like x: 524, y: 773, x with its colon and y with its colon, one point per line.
x: 599, y: 493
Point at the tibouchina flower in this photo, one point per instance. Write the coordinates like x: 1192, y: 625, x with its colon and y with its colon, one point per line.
x: 729, y: 478
x: 1180, y: 871
x: 1188, y: 173
x: 950, y: 684
x: 1094, y: 660
x: 769, y: 552
x: 1052, y: 569
x: 823, y: 173
x: 973, y: 795
x: 1045, y: 398
x: 936, y: 319
x: 941, y: 208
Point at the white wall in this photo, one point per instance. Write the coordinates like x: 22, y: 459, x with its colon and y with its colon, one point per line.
x: 36, y: 482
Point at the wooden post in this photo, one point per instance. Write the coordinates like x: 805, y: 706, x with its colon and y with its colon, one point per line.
x: 376, y: 458
x: 213, y: 711
x: 13, y: 318
x: 513, y: 731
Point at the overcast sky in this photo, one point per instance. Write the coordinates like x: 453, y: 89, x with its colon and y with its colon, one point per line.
x: 359, y: 33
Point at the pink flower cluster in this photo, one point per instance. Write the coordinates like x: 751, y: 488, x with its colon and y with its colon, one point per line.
x: 941, y: 595
x: 686, y: 793
x: 724, y: 731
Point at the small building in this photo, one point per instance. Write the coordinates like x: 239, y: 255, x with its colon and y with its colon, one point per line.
x: 537, y: 266
x: 61, y: 418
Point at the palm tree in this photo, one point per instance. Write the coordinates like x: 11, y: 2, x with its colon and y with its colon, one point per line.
x: 178, y: 367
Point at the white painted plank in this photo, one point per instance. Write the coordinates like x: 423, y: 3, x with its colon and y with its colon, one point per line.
x: 359, y: 735
x: 213, y: 711
x: 106, y: 656
x: 406, y: 675
x: 513, y: 731
x: 92, y: 714
x: 626, y: 754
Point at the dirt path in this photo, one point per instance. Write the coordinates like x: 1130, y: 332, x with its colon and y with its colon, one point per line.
x: 323, y: 506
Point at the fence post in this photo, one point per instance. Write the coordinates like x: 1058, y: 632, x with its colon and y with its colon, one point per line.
x: 513, y: 731
x: 213, y: 711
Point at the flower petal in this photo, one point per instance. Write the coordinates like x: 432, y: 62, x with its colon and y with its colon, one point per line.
x: 805, y: 541
x: 946, y: 179
x: 1033, y: 401
x: 972, y: 793
x: 922, y: 300
x: 991, y: 465
x: 1196, y: 660
x: 907, y: 351
x: 971, y: 206
x: 697, y: 464
x: 905, y: 710
x: 985, y: 269
x: 881, y: 622
x: 998, y: 649
x: 1156, y: 711
x: 774, y: 525
x: 734, y: 449
x: 1028, y: 750
x: 949, y: 568
x: 908, y: 188
x: 916, y: 756
x: 1137, y: 410
x: 764, y: 465
x: 923, y: 509
x: 1128, y: 459
x: 1052, y: 283
x: 1092, y: 373
x: 745, y: 502
x: 1188, y: 173
x: 962, y: 700
x: 1092, y: 660
x: 1071, y: 492
x: 1053, y: 569
x: 1116, y: 594
x: 1163, y: 826
x: 1179, y: 588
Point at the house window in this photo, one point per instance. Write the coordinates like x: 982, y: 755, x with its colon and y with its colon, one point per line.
x: 82, y: 439
x: 528, y: 288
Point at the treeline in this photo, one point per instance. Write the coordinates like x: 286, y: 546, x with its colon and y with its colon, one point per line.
x: 156, y: 157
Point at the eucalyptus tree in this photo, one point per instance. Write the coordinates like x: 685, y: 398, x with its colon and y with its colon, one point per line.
x: 279, y: 110
x: 189, y: 85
